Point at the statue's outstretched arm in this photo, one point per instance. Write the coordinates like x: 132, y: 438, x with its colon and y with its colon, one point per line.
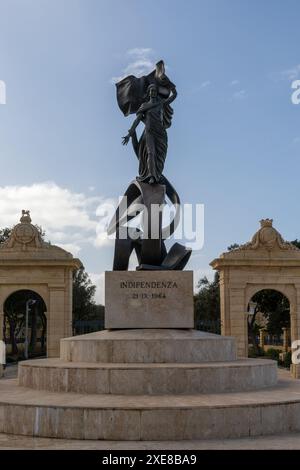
x: 131, y: 131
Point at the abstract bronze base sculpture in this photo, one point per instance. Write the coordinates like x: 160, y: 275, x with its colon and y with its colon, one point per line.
x: 149, y: 240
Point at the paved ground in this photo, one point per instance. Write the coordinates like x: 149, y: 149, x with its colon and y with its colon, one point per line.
x: 286, y: 441
x: 11, y: 371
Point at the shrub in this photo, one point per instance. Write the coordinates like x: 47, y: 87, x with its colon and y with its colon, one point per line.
x: 273, y: 353
x: 287, y: 360
x: 253, y: 353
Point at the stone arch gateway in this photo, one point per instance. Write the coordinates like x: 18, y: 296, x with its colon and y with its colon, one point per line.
x: 35, y: 337
x: 27, y: 262
x: 267, y: 262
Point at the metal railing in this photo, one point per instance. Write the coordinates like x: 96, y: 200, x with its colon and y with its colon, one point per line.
x: 211, y: 326
x: 82, y: 327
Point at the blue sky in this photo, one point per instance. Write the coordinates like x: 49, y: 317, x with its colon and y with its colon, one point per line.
x: 235, y: 140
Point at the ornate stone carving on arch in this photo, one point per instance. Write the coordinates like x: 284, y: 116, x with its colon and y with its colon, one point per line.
x: 267, y: 237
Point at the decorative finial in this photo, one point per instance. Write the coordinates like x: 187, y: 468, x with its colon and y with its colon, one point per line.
x: 266, y: 223
x: 25, y: 219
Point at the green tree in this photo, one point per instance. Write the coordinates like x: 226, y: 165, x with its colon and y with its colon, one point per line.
x: 296, y: 243
x: 83, y: 296
x: 276, y: 309
x: 233, y: 246
x: 207, y: 304
x: 4, y: 234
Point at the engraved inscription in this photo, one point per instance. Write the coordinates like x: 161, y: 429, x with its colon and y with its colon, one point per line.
x: 150, y: 299
x: 162, y: 285
x: 148, y: 285
x: 145, y: 295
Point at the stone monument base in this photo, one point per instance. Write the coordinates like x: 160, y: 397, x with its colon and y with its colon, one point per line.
x: 149, y: 384
x: 149, y: 299
x: 148, y: 362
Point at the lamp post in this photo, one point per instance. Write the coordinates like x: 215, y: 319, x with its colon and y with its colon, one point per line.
x: 252, y: 307
x: 250, y: 320
x: 251, y: 312
x: 2, y: 354
x: 29, y: 304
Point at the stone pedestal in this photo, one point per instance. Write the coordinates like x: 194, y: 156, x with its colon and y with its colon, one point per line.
x: 143, y: 384
x: 149, y: 299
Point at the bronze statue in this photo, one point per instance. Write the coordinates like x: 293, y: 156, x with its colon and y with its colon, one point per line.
x: 156, y: 113
x: 150, y: 98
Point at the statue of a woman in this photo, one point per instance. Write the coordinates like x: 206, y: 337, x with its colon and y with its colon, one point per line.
x: 149, y: 98
x: 156, y: 114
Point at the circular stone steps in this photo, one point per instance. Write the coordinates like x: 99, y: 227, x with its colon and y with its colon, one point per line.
x: 153, y: 379
x: 173, y: 417
x: 148, y: 346
x: 148, y: 385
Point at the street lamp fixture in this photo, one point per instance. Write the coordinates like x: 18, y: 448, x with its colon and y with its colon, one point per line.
x: 29, y: 304
x: 252, y: 308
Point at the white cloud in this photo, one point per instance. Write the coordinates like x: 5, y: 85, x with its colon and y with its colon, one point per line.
x: 292, y: 73
x: 200, y: 87
x: 140, y: 51
x: 234, y: 82
x: 141, y: 62
x: 98, y: 280
x: 2, y: 92
x: 70, y: 219
x: 104, y: 212
x: 71, y: 247
x: 239, y: 95
x: 205, y: 84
